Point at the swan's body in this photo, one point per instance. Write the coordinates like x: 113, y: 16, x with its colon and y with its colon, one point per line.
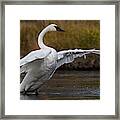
x: 39, y: 65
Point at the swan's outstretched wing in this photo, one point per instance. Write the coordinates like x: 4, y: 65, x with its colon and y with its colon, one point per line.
x: 37, y: 54
x: 68, y: 56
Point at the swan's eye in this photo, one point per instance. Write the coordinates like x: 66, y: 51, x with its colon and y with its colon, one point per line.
x: 58, y: 29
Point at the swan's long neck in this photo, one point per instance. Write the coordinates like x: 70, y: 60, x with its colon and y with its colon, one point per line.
x: 41, y: 37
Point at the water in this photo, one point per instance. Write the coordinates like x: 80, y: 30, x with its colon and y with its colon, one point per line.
x: 69, y: 85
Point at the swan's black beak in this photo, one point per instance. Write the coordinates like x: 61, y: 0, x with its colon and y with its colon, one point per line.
x: 59, y: 29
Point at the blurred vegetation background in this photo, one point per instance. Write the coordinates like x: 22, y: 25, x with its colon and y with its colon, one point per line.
x: 83, y: 34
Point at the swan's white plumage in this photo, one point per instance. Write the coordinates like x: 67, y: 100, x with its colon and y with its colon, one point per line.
x: 40, y: 65
x: 38, y: 54
x: 67, y: 56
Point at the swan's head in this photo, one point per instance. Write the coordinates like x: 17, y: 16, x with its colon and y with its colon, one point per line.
x: 54, y: 27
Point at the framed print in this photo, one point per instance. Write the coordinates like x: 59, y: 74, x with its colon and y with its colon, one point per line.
x: 66, y: 66
x: 60, y: 59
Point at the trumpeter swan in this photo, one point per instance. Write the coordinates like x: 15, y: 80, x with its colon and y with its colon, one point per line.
x: 39, y: 65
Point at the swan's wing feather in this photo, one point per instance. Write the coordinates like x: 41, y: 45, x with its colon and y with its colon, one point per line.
x: 96, y: 52
x: 68, y: 56
x: 37, y: 54
x: 35, y: 75
x: 32, y: 73
x: 26, y: 68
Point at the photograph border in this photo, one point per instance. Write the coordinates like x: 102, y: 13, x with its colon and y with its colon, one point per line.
x: 2, y: 56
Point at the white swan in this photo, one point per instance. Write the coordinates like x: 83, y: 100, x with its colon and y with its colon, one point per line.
x: 39, y: 65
